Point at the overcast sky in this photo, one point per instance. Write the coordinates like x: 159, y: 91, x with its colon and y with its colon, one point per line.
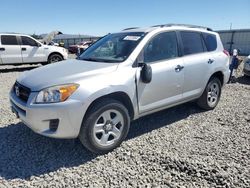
x: 98, y: 17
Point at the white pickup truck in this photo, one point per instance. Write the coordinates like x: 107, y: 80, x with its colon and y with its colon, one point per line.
x: 22, y: 49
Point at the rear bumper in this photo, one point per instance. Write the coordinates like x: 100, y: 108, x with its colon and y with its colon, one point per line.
x: 72, y: 49
x: 38, y: 116
x: 226, y: 76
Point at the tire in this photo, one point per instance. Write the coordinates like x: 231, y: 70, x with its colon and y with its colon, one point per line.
x: 211, y: 95
x: 99, y: 133
x: 53, y: 58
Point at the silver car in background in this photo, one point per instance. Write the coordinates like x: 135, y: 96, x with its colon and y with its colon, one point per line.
x: 246, y: 68
x: 120, y: 78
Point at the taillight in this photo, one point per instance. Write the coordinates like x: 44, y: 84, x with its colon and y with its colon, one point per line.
x: 226, y: 52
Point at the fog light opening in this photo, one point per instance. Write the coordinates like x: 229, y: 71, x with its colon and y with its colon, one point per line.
x: 53, y: 124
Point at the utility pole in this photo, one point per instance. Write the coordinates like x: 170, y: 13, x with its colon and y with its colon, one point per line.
x: 231, y: 26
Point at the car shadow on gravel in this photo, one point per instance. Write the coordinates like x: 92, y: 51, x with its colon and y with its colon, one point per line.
x: 162, y: 119
x: 17, y: 69
x: 24, y: 153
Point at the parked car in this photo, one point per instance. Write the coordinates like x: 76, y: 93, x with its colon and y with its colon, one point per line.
x: 120, y: 78
x: 246, y: 69
x: 81, y: 45
x: 22, y: 49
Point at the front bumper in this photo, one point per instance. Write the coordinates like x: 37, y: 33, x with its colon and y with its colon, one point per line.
x: 65, y: 55
x: 38, y: 116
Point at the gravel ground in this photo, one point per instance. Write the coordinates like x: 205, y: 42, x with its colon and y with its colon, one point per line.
x: 179, y: 147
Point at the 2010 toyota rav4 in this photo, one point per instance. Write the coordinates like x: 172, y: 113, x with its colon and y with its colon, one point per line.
x: 120, y: 78
x: 22, y: 49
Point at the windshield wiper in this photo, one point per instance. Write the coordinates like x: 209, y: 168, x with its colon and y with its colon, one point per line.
x: 101, y: 60
x: 90, y: 59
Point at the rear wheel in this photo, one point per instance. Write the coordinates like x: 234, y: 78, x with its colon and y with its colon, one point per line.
x: 53, y: 58
x: 106, y: 125
x: 211, y: 95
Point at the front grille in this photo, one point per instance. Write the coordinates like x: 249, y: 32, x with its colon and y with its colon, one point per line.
x: 21, y: 92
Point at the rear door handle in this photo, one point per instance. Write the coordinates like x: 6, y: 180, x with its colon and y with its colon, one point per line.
x: 178, y: 68
x: 24, y: 49
x: 2, y: 49
x: 210, y: 61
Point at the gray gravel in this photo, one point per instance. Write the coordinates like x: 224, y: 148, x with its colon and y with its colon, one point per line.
x: 179, y: 147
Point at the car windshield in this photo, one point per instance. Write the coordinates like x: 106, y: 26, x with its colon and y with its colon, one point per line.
x: 113, y: 47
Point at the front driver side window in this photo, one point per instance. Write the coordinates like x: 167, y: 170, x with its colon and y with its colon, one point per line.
x: 28, y: 41
x: 161, y: 47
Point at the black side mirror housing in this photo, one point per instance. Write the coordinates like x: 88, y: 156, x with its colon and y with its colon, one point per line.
x: 146, y: 73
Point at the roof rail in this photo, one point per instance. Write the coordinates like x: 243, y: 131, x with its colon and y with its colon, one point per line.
x: 184, y: 25
x: 130, y: 28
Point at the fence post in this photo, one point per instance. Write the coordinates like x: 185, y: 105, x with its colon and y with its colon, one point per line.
x: 231, y: 42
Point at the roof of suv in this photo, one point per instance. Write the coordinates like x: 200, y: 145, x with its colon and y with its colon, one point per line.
x: 168, y: 26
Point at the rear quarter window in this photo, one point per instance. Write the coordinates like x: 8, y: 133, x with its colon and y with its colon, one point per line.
x: 210, y: 41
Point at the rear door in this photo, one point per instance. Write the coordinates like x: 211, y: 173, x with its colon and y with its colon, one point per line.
x: 32, y: 51
x: 196, y: 62
x: 10, y: 50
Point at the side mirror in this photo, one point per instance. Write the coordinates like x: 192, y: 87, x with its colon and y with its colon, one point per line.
x: 146, y: 73
x: 38, y: 45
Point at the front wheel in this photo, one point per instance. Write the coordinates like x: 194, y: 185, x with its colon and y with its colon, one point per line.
x: 211, y: 95
x: 105, y: 126
x: 53, y: 58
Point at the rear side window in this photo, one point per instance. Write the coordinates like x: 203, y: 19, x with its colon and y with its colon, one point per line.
x: 210, y: 41
x: 162, y: 47
x: 192, y: 42
x: 8, y: 40
x: 28, y: 41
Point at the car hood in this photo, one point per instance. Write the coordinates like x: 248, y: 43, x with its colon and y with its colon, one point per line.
x: 54, y: 48
x: 68, y: 71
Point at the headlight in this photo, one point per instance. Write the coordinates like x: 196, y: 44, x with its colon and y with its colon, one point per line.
x: 56, y: 93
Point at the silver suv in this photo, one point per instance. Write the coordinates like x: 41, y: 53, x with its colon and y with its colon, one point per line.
x: 121, y: 77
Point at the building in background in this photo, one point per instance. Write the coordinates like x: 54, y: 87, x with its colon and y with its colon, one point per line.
x: 231, y: 39
x: 236, y: 39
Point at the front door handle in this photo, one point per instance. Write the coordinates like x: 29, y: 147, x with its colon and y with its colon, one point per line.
x: 178, y: 68
x: 210, y: 61
x: 2, y: 49
x: 24, y: 49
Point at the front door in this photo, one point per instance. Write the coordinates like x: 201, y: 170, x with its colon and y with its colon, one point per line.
x: 165, y: 88
x: 32, y: 52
